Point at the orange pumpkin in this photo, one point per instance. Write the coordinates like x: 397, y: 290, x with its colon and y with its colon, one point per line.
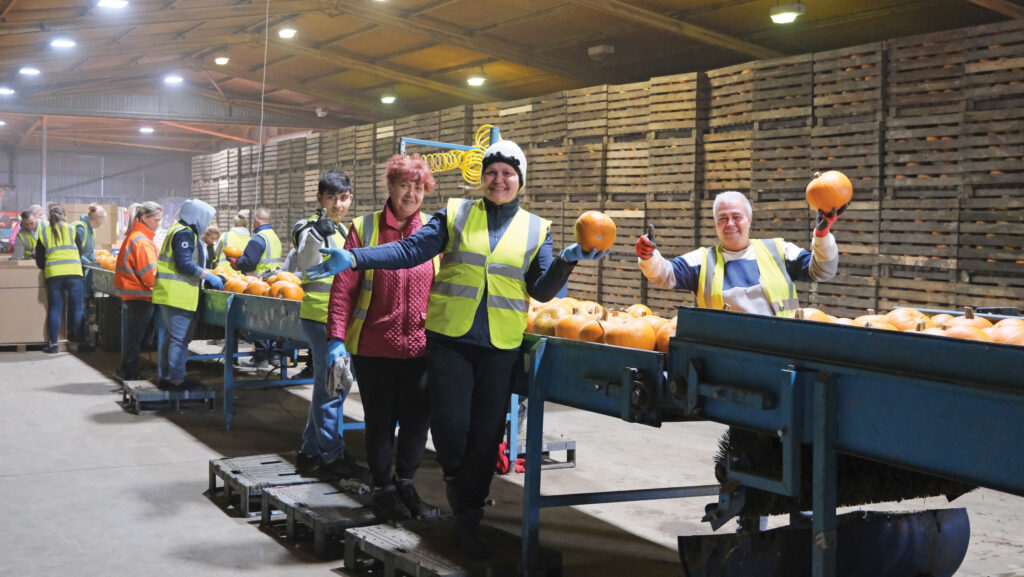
x: 235, y: 285
x: 594, y: 229
x: 848, y: 322
x: 275, y: 288
x: 546, y: 319
x: 568, y: 327
x: 639, y: 310
x: 589, y: 309
x: 292, y: 292
x: 870, y: 318
x: 1010, y: 321
x: 966, y: 332
x: 812, y: 314
x: 880, y: 325
x: 232, y: 251
x: 1008, y: 333
x: 907, y: 319
x: 632, y: 333
x: 655, y: 321
x: 935, y: 331
x: 592, y: 331
x: 969, y: 320
x: 258, y: 288
x: 829, y: 190
x: 665, y: 333
x: 941, y: 319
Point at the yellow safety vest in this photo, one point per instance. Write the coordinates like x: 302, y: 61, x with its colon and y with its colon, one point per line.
x: 778, y: 287
x: 62, y: 257
x: 367, y: 228
x: 28, y: 240
x: 171, y: 288
x: 235, y: 239
x: 318, y: 292
x: 271, y: 257
x: 469, y: 267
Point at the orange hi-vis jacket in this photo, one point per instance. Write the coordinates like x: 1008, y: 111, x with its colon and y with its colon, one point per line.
x: 136, y: 265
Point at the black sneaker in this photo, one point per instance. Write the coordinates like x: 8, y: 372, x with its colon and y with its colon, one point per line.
x: 342, y: 467
x: 387, y: 505
x: 52, y: 349
x: 411, y: 499
x: 307, y: 463
x: 170, y: 386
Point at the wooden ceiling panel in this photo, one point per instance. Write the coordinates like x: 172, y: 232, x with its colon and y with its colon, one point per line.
x: 437, y: 57
x: 380, y: 43
x: 475, y: 14
x: 557, y: 26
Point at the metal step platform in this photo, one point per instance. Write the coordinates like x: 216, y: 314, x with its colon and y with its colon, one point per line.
x: 244, y: 479
x: 143, y: 398
x: 553, y: 445
x: 424, y: 548
x: 324, y: 509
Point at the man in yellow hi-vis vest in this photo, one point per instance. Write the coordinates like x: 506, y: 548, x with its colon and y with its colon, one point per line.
x: 496, y: 257
x: 179, y: 276
x: 749, y: 275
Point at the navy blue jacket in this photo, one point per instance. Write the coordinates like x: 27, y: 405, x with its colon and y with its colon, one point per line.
x: 545, y: 277
x: 253, y: 251
x: 182, y: 247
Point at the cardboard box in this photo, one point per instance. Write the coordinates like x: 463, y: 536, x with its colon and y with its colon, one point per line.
x: 22, y: 304
x: 106, y: 235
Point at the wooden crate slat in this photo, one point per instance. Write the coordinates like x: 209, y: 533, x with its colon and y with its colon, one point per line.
x: 923, y: 148
x: 731, y: 95
x: 549, y: 118
x: 626, y: 168
x: 629, y: 108
x: 925, y: 74
x: 782, y: 88
x: 673, y: 166
x: 991, y: 236
x: 727, y: 161
x: 365, y: 135
x: 675, y: 102
x: 853, y: 149
x: 848, y: 81
x: 919, y: 232
x: 424, y: 126
x: 779, y: 161
x: 515, y: 120
x: 587, y: 112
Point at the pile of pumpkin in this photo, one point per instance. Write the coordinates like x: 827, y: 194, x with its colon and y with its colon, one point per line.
x: 568, y: 318
x: 105, y: 260
x: 966, y: 326
x: 281, y: 285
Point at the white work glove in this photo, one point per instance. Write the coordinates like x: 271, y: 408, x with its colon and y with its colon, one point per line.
x: 339, y: 376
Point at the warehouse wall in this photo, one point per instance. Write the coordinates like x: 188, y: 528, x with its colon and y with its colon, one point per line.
x: 85, y: 177
x: 930, y: 129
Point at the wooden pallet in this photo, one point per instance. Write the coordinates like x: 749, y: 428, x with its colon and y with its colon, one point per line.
x: 850, y: 293
x: 991, y: 237
x: 992, y: 147
x: 994, y: 65
x: 586, y: 169
x: 548, y: 117
x: 727, y: 158
x: 244, y: 479
x: 778, y: 163
x: 919, y: 233
x: 586, y: 112
x: 629, y: 107
x: 365, y: 134
x: 848, y: 83
x: 673, y: 167
x: 324, y: 510
x: 853, y: 148
x: 426, y: 126
x: 548, y: 170
x: 731, y: 95
x: 425, y: 549
x: 782, y: 88
x: 627, y: 168
x: 515, y: 120
x: 143, y: 397
x: 923, y: 153
x: 621, y: 279
x: 677, y: 103
x: 925, y: 74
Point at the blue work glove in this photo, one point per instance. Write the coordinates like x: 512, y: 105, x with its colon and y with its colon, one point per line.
x: 336, y: 260
x: 213, y: 281
x: 335, y: 350
x: 574, y: 253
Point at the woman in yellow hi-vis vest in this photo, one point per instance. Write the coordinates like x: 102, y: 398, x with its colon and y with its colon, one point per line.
x: 58, y: 255
x: 262, y: 253
x: 496, y: 256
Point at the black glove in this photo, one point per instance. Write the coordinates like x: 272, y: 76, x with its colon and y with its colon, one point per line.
x: 324, y: 226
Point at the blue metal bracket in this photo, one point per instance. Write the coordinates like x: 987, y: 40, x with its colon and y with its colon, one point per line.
x: 823, y: 524
x: 431, y: 143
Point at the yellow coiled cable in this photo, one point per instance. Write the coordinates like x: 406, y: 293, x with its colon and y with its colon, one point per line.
x: 468, y: 161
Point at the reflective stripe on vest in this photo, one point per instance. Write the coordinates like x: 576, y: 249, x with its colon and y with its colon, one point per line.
x: 470, y: 267
x: 778, y: 287
x: 318, y: 292
x: 271, y: 257
x: 28, y: 240
x: 171, y: 288
x: 367, y: 228
x: 235, y: 239
x: 62, y: 256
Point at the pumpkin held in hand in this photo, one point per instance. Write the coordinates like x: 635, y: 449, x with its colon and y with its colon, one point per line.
x: 594, y: 230
x: 829, y: 190
x: 232, y: 251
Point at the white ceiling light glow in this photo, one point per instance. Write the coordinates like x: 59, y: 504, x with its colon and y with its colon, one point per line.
x: 29, y: 71
x: 173, y: 79
x: 62, y: 43
x: 388, y: 98
x: 787, y: 13
x: 146, y: 130
x: 2, y: 123
x: 112, y: 4
x: 287, y: 32
x: 221, y: 60
x: 477, y: 79
x: 6, y: 91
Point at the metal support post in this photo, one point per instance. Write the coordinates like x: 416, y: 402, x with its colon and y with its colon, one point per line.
x: 230, y: 347
x: 823, y: 525
x: 531, y: 482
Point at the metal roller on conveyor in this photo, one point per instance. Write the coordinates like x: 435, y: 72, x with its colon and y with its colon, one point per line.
x: 820, y: 416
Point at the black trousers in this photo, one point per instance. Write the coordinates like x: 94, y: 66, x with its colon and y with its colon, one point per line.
x: 469, y: 390
x: 394, y: 392
x: 138, y: 330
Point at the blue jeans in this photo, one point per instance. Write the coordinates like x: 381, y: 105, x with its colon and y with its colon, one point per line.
x: 322, y: 435
x: 178, y: 326
x: 55, y: 288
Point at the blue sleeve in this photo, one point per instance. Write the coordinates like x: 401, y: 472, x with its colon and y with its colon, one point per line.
x: 427, y: 243
x: 800, y: 269
x: 251, y: 255
x: 687, y: 276
x: 547, y: 274
x: 182, y: 250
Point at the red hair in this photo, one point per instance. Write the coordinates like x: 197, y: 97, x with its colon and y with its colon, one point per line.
x: 412, y: 167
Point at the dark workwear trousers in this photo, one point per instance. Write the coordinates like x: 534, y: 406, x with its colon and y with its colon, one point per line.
x: 394, y: 392
x: 469, y: 388
x: 138, y: 331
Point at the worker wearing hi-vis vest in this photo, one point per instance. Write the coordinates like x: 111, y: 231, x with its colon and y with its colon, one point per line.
x: 379, y: 317
x: 134, y: 277
x: 237, y: 236
x: 24, y: 245
x: 263, y: 251
x: 743, y: 274
x: 179, y: 277
x: 495, y: 257
x: 85, y: 231
x: 58, y: 254
x: 323, y: 446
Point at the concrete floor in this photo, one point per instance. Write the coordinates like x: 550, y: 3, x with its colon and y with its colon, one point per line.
x: 88, y: 489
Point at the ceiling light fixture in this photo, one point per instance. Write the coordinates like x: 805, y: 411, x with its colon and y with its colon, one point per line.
x: 2, y: 123
x: 146, y: 130
x: 477, y: 78
x: 112, y: 3
x: 287, y: 31
x: 62, y: 43
x: 173, y: 79
x: 29, y: 71
x: 388, y: 98
x: 5, y: 91
x: 600, y: 52
x: 787, y: 13
x: 221, y: 60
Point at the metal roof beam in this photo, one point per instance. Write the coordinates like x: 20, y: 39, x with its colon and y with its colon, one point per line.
x: 1004, y: 7
x: 12, y: 58
x: 449, y: 34
x: 653, y: 19
x: 354, y: 63
x: 136, y: 18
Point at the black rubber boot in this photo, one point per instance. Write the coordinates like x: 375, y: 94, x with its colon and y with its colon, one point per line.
x: 411, y: 500
x: 466, y: 531
x: 387, y: 505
